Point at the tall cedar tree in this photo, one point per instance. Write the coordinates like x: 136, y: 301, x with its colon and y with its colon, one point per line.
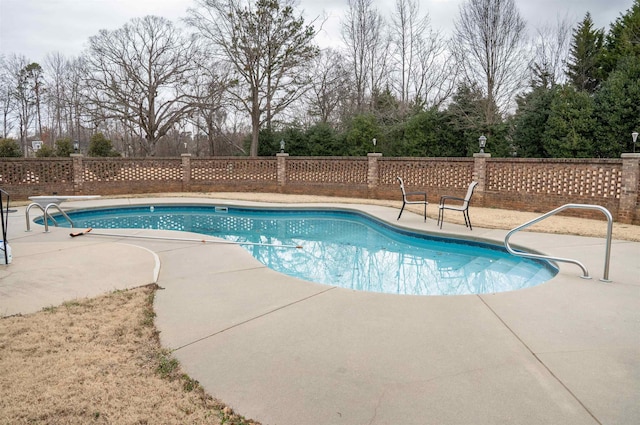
x: 623, y: 38
x: 585, y: 56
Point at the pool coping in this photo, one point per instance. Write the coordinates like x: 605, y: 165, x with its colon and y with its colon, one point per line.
x: 282, y: 351
x: 387, y: 229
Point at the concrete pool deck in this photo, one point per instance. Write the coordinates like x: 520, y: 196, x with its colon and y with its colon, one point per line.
x: 284, y: 351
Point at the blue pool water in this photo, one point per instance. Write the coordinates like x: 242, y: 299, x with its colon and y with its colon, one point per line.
x: 340, y: 247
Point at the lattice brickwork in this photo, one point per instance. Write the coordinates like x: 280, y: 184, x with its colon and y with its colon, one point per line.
x: 350, y: 171
x: 426, y: 173
x: 131, y: 170
x: 576, y: 179
x: 512, y: 183
x: 234, y: 169
x: 35, y: 171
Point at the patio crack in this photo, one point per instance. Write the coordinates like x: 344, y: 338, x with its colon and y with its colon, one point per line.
x: 266, y: 313
x: 539, y: 360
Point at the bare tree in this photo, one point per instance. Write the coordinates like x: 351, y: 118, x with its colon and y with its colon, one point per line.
x: 379, y: 59
x: 7, y: 102
x: 142, y: 75
x: 57, y: 71
x: 435, y: 73
x: 75, y: 99
x: 22, y: 94
x: 408, y: 28
x: 210, y: 114
x: 330, y: 86
x: 31, y: 83
x: 362, y: 34
x: 489, y: 43
x: 268, y: 49
x: 422, y: 60
x: 550, y: 50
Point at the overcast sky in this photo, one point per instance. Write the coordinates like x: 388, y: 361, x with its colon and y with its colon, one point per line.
x: 34, y: 28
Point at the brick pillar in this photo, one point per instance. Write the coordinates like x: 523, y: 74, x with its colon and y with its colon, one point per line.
x: 480, y: 176
x: 78, y: 173
x: 372, y: 172
x: 628, y: 207
x: 282, y: 168
x: 186, y: 172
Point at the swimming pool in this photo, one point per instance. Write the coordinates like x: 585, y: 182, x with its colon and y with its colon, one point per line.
x: 339, y: 247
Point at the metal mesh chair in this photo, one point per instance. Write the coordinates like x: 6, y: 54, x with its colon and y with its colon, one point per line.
x: 464, y: 208
x: 416, y: 199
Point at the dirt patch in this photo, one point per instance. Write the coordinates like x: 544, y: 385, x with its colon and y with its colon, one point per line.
x: 98, y: 361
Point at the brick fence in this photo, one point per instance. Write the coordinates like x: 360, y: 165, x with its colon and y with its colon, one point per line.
x: 538, y: 185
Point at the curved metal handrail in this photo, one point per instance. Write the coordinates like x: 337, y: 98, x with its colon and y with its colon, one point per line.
x: 605, y: 277
x: 4, y: 221
x: 46, y: 217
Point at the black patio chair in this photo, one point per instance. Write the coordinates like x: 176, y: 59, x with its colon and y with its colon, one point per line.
x: 464, y: 208
x: 415, y: 200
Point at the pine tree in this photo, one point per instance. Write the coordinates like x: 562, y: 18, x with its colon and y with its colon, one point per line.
x: 623, y: 39
x: 585, y: 56
x: 571, y: 124
x: 530, y: 121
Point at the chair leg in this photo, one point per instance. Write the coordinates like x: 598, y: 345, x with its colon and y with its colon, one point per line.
x: 467, y: 222
x: 425, y: 212
x: 468, y: 219
x: 440, y: 216
x: 401, y: 209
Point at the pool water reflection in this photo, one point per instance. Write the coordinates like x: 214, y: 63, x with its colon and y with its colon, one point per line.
x: 342, y: 248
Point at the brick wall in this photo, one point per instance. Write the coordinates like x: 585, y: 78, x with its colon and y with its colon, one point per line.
x: 538, y: 185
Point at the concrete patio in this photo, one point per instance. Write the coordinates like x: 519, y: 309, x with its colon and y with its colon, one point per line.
x: 284, y: 351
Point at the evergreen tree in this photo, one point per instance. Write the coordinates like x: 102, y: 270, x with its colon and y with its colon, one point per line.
x: 429, y: 134
x: 101, y: 146
x: 618, y: 109
x: 530, y: 121
x: 466, y: 117
x: 623, y: 39
x: 585, y: 56
x: 466, y: 111
x: 9, y: 148
x: 358, y: 139
x: 295, y: 141
x: 571, y: 125
x: 322, y: 140
x: 45, y: 151
x: 64, y: 147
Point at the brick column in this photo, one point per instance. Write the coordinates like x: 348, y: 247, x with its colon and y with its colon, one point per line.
x: 186, y: 171
x: 480, y: 176
x: 78, y: 173
x: 372, y: 170
x: 282, y: 168
x: 628, y: 207
x: 372, y: 173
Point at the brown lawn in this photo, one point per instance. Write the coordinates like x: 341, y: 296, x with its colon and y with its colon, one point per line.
x: 98, y: 361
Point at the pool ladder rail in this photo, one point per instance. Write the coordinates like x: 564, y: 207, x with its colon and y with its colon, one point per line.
x: 4, y: 220
x: 47, y: 216
x: 605, y: 277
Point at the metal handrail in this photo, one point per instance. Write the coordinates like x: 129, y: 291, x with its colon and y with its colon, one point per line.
x: 4, y: 219
x: 46, y: 217
x: 605, y: 277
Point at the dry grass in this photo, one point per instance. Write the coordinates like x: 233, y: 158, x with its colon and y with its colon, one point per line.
x: 98, y: 361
